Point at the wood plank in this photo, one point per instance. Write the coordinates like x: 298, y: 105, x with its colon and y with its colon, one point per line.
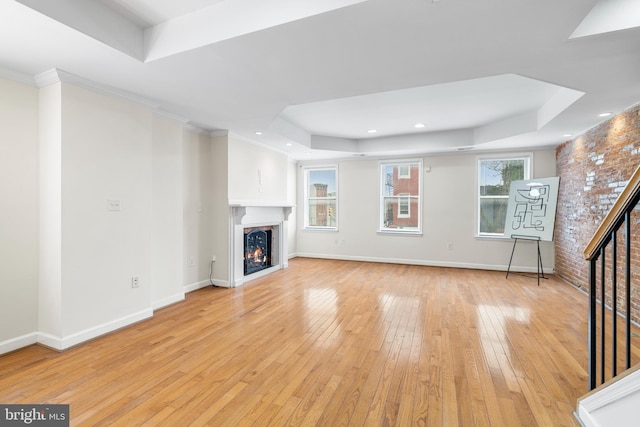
x: 329, y: 342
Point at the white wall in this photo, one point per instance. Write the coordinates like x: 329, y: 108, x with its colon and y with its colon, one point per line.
x: 197, y: 209
x: 216, y: 170
x: 256, y: 173
x: 71, y: 150
x: 449, y: 216
x: 261, y: 175
x: 292, y: 232
x: 219, y: 234
x: 50, y: 213
x: 167, y: 212
x: 106, y: 155
x: 18, y: 214
x: 96, y: 149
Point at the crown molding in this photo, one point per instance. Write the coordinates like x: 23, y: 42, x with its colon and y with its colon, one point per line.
x: 188, y: 126
x: 17, y: 76
x: 218, y: 132
x: 47, y: 78
x: 175, y: 117
x: 56, y: 75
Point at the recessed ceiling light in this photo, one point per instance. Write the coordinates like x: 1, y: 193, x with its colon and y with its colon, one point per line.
x: 567, y: 135
x: 418, y: 125
x: 288, y: 144
x: 372, y: 131
x: 258, y: 133
x: 605, y: 114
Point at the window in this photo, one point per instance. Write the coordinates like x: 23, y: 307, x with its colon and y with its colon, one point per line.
x: 321, y: 197
x: 494, y: 181
x: 400, y: 196
x: 404, y: 206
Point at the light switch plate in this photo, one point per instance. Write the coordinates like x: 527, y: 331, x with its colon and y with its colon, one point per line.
x: 113, y: 205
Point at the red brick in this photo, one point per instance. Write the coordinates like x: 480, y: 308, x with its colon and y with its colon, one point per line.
x: 593, y: 169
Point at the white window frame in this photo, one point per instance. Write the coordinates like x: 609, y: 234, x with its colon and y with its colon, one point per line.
x: 404, y: 175
x: 528, y: 167
x: 307, y: 198
x: 381, y: 195
x: 406, y: 198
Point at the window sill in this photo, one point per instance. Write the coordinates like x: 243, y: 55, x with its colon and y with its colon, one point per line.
x: 316, y: 229
x: 399, y: 233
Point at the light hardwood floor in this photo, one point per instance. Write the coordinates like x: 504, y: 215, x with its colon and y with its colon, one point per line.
x: 330, y: 343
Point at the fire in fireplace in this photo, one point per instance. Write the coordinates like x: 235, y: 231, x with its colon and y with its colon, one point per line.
x: 257, y: 249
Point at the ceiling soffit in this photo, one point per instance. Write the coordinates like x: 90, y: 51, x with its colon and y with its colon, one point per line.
x: 488, y: 109
x: 608, y: 16
x: 123, y: 27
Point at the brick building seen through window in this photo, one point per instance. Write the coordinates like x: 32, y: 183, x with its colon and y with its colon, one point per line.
x: 401, y: 196
x: 321, y: 197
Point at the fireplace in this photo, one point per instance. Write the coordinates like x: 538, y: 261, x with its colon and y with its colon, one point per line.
x: 257, y: 249
x: 258, y: 240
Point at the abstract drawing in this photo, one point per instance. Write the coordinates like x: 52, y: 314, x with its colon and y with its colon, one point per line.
x: 532, y: 208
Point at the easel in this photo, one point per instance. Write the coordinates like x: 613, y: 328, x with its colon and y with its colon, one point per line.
x: 537, y: 239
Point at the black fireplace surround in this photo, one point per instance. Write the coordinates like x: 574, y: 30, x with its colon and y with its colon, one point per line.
x: 257, y: 249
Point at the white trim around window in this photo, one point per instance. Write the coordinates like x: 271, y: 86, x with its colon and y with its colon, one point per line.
x: 492, y: 192
x: 321, y: 197
x: 400, y: 197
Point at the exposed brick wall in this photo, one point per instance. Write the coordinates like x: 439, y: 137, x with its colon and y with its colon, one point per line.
x: 593, y: 170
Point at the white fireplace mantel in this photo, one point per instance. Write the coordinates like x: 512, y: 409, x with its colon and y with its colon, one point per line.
x: 246, y: 214
x: 239, y: 208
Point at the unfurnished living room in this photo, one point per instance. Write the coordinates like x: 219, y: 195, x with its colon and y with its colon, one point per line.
x: 332, y: 213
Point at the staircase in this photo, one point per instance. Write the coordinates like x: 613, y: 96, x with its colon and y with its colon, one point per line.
x: 614, y: 386
x: 614, y: 403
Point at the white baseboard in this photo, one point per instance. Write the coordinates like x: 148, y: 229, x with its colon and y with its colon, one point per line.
x: 51, y: 341
x: 221, y: 283
x: 196, y: 285
x: 18, y: 342
x: 428, y: 263
x: 204, y: 283
x: 156, y: 305
x: 62, y: 343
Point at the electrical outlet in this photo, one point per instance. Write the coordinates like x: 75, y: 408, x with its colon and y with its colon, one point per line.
x: 135, y: 281
x: 450, y: 246
x: 192, y: 261
x: 213, y: 258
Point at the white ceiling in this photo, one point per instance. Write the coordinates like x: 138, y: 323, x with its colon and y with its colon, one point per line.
x: 147, y: 13
x: 461, y: 104
x: 313, y: 76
